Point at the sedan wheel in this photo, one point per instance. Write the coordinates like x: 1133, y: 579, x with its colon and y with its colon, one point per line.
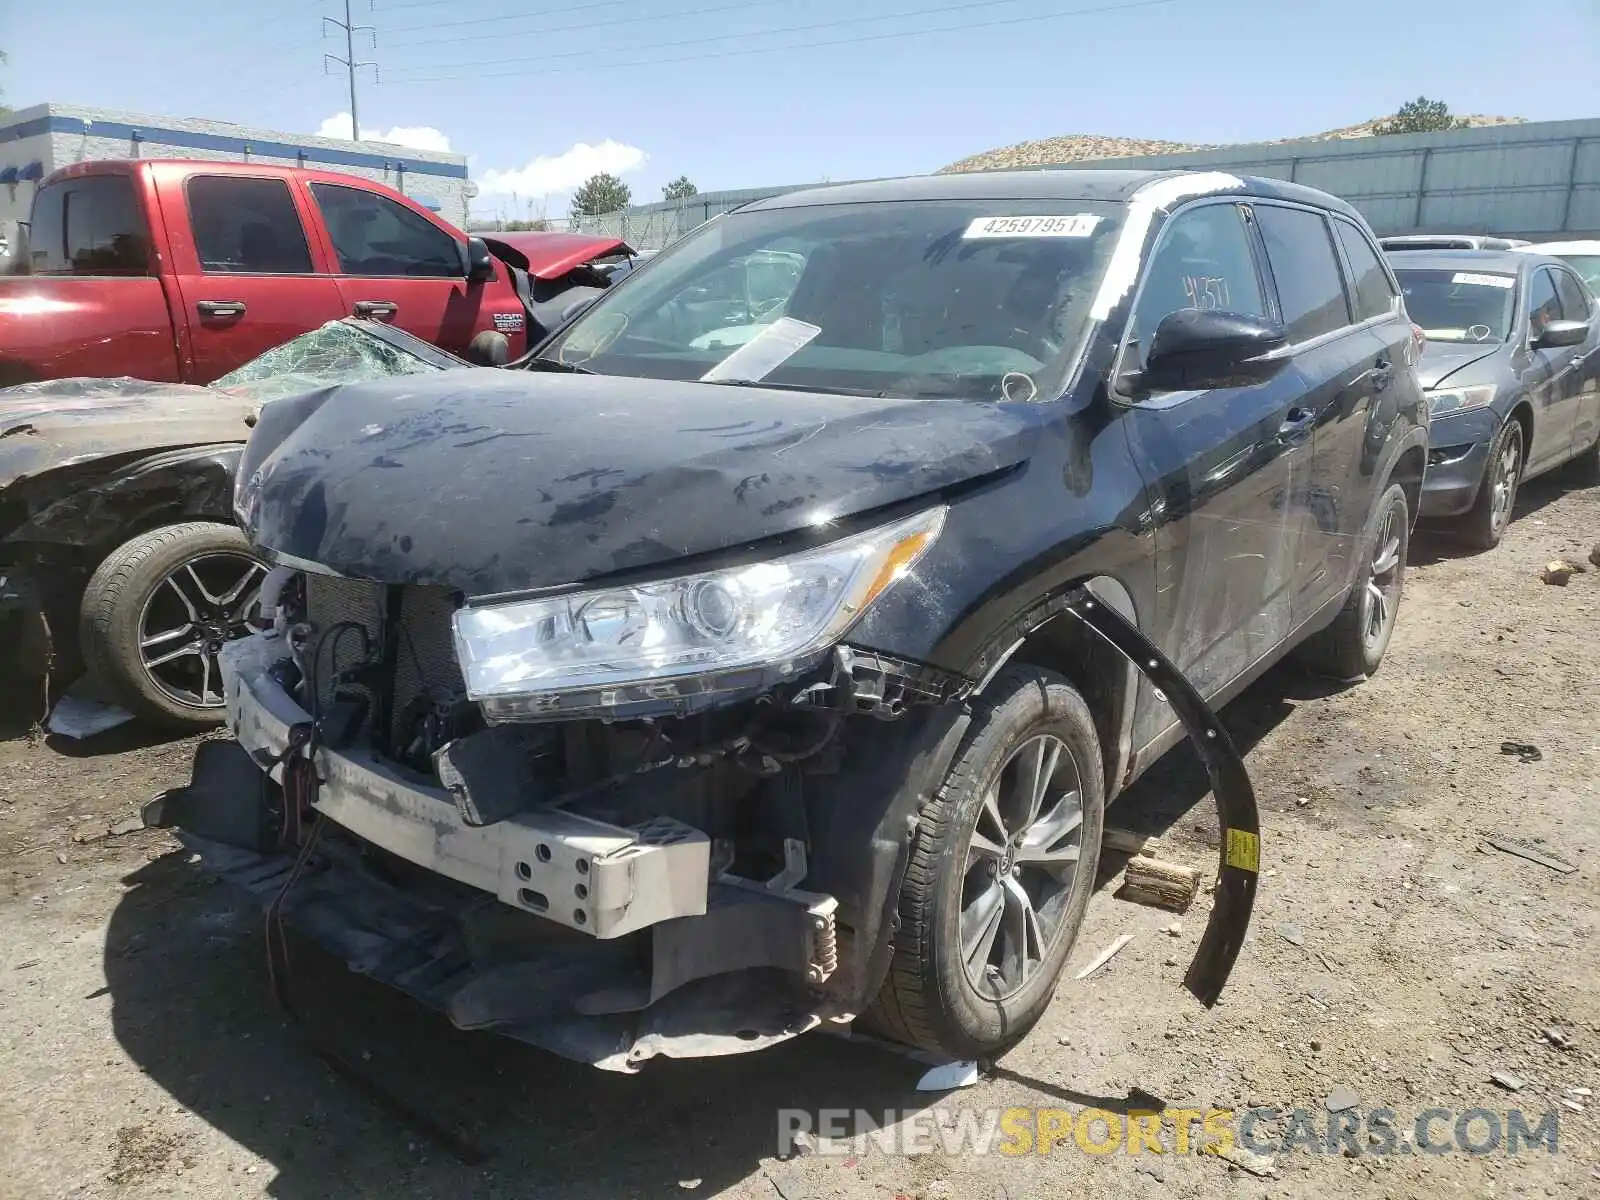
x: 1485, y: 523
x: 157, y: 613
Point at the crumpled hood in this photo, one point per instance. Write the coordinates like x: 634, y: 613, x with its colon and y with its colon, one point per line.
x: 1441, y: 360
x: 63, y: 422
x: 492, y: 482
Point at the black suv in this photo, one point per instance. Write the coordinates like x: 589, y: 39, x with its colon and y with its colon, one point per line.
x: 709, y: 678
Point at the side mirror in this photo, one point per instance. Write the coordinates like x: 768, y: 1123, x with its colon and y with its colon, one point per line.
x: 1562, y: 333
x: 1197, y: 348
x: 577, y: 306
x: 480, y: 263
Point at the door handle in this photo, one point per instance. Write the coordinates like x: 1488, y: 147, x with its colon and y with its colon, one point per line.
x: 1297, y: 423
x: 376, y: 308
x: 220, y: 308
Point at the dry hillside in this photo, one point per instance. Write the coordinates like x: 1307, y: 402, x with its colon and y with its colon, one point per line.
x: 1085, y: 147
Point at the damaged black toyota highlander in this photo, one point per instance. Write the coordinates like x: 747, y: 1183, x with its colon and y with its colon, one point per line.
x: 764, y: 653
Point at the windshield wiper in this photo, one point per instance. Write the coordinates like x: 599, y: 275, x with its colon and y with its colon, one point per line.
x: 553, y: 364
x: 799, y: 387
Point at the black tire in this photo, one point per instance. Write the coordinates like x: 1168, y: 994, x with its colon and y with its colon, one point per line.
x: 1352, y: 647
x: 122, y: 594
x: 1486, y: 522
x: 929, y: 999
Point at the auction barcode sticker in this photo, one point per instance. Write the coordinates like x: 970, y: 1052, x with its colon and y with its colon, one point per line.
x: 1074, y: 226
x: 1499, y: 281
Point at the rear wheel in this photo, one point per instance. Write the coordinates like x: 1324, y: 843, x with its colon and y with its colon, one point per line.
x: 1001, y: 873
x: 156, y: 614
x: 1485, y: 524
x: 1353, y: 646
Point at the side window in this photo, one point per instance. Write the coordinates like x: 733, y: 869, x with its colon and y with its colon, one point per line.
x: 1574, y: 297
x: 1203, y: 261
x: 89, y: 226
x: 1373, y: 294
x: 1310, y: 288
x: 372, y: 235
x: 1543, y: 304
x: 246, y: 227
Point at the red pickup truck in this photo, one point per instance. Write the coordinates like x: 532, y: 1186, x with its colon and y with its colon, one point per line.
x: 180, y: 271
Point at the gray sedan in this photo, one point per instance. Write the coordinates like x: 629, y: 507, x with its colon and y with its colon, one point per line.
x: 1512, y: 371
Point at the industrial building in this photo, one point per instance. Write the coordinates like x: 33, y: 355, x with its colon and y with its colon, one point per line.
x: 36, y: 141
x: 1536, y: 180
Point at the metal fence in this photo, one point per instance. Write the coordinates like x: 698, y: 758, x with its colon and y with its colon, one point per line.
x: 1539, y: 180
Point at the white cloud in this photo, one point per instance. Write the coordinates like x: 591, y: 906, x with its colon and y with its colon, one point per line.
x: 417, y: 137
x: 558, y: 173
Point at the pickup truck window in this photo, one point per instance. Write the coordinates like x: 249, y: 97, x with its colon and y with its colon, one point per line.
x: 372, y: 235
x: 246, y: 227
x: 89, y: 226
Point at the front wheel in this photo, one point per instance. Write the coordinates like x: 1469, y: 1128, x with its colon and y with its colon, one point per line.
x: 1353, y: 646
x: 156, y: 614
x: 1485, y: 523
x: 1000, y: 875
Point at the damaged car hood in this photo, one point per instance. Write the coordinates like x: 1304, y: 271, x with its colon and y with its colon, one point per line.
x: 507, y: 482
x: 65, y: 422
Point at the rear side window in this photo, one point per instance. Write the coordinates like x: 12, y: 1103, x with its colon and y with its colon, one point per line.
x: 372, y: 235
x: 247, y: 227
x: 89, y: 226
x: 1310, y: 288
x: 1574, y: 299
x: 1369, y: 282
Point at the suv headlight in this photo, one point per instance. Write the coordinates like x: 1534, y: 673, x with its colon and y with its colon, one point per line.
x: 1449, y: 400
x: 677, y: 637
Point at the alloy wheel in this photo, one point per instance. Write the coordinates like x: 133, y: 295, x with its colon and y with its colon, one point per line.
x: 1382, y: 599
x: 199, y: 606
x: 1021, y: 861
x: 1503, y: 479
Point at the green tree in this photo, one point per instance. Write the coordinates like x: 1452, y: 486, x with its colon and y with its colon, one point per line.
x: 1420, y: 116
x: 602, y: 193
x: 527, y: 226
x: 679, y: 189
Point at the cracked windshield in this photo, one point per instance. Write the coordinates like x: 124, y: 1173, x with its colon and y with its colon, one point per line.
x: 945, y: 298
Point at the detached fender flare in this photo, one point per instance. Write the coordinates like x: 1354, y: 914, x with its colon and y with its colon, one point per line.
x: 1239, y: 855
x: 861, y: 849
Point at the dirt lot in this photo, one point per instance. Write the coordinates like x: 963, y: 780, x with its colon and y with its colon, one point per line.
x: 1392, y: 954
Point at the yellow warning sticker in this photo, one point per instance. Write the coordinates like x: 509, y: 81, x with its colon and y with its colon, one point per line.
x: 1244, y: 850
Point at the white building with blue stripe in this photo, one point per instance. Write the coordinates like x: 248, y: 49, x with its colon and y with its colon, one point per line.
x: 36, y: 141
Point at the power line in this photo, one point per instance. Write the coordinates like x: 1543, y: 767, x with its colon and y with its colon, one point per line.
x: 735, y: 53
x: 546, y: 29
x: 543, y: 12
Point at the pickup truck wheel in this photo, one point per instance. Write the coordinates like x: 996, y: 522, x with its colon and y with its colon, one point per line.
x: 1000, y: 875
x: 1353, y: 646
x: 156, y: 613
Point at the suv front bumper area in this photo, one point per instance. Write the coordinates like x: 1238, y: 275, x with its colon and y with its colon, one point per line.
x: 604, y: 944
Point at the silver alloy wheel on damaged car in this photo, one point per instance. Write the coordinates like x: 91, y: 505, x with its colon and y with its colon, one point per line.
x: 1021, y: 859
x: 157, y: 613
x: 1503, y: 481
x: 1001, y: 871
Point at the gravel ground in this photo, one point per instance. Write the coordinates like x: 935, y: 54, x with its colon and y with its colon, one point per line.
x: 1392, y: 956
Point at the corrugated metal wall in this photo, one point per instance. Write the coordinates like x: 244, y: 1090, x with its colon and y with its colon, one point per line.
x: 1540, y: 181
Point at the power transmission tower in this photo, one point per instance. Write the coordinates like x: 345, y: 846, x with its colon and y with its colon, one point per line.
x: 348, y: 62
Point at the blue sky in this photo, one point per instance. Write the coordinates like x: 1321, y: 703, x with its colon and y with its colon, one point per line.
x: 537, y: 94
